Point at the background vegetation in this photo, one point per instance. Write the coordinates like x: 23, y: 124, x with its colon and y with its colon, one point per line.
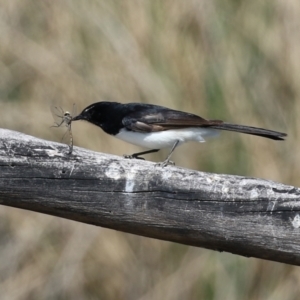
x: 222, y: 59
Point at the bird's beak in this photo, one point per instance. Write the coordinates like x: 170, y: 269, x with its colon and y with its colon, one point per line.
x: 79, y: 117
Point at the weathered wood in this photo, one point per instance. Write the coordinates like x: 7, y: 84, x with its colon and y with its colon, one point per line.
x: 245, y: 216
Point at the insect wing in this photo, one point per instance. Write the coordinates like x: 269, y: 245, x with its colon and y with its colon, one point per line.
x: 68, y: 138
x: 58, y: 115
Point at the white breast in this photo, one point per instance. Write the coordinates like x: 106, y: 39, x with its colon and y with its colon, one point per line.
x: 167, y: 138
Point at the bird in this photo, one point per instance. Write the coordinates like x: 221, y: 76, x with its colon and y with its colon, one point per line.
x: 156, y: 127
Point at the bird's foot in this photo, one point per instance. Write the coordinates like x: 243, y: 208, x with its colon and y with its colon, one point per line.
x: 132, y: 156
x: 165, y: 163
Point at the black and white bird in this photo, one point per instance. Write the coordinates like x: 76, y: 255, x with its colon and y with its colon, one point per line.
x: 157, y: 127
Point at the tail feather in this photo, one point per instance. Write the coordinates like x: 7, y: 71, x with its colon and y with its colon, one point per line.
x: 270, y: 134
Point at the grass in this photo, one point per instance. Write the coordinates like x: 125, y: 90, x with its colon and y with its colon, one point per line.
x: 231, y: 60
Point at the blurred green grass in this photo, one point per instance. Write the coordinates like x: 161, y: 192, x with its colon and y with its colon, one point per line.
x: 232, y: 60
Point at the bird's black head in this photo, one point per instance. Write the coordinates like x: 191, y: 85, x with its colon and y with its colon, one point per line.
x: 102, y: 114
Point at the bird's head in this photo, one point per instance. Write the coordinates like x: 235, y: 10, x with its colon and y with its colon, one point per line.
x: 95, y: 113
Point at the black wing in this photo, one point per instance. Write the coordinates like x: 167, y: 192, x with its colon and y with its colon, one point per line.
x: 152, y: 118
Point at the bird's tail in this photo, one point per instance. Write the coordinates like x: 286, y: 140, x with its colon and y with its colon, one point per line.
x: 270, y: 134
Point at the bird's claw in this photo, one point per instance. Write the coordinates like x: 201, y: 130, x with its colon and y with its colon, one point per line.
x: 133, y: 157
x: 165, y: 163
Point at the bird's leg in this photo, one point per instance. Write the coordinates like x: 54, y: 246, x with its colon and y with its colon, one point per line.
x: 136, y: 155
x: 167, y: 160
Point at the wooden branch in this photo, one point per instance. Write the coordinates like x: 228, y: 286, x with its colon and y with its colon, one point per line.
x: 245, y: 216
